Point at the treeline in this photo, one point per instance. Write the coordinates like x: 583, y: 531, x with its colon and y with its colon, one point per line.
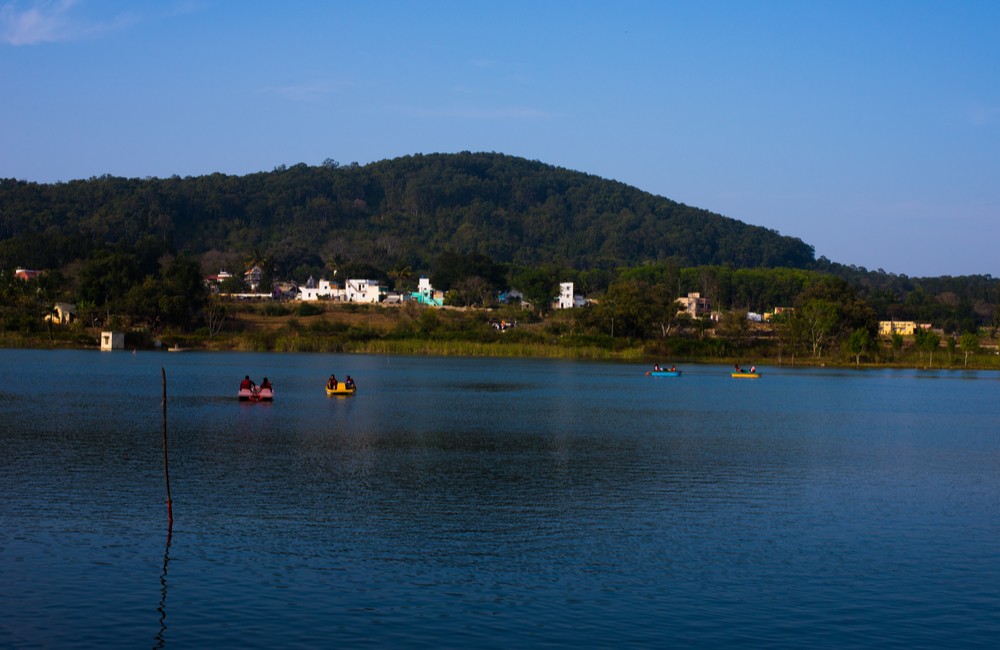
x: 403, y: 211
x: 147, y: 287
x: 132, y: 251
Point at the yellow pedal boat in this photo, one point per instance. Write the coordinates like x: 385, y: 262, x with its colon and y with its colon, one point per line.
x: 341, y: 389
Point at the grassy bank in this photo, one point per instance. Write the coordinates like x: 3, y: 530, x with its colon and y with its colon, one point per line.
x: 413, y: 330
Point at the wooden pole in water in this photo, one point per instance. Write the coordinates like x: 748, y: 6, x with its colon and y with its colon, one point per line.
x: 166, y: 467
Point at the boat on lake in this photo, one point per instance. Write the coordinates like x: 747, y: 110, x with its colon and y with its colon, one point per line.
x: 256, y: 394
x: 341, y: 389
x: 746, y: 375
x: 663, y: 371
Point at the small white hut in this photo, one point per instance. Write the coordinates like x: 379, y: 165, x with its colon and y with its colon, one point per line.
x: 112, y: 340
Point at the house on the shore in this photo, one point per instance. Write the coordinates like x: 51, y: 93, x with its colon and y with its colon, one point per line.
x: 63, y: 313
x: 252, y: 277
x: 427, y: 295
x: 567, y: 299
x: 778, y: 312
x: 695, y: 305
x: 324, y: 290
x: 903, y: 327
x: 364, y: 291
x: 214, y: 281
x: 112, y: 340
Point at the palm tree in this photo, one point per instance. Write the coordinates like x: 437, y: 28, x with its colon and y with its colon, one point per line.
x: 335, y: 264
x: 401, y: 274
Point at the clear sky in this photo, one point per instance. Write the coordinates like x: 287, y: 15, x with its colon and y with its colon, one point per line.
x: 869, y: 129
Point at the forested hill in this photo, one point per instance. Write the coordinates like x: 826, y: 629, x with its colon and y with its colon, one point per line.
x: 402, y: 211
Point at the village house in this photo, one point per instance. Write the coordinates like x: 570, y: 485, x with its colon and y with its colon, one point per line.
x: 284, y: 290
x: 252, y: 277
x: 323, y: 290
x: 778, y: 311
x: 426, y: 294
x: 219, y: 278
x: 695, y: 305
x: 213, y: 281
x: 112, y: 340
x: 904, y: 327
x: 63, y: 313
x: 25, y: 274
x: 567, y: 299
x: 363, y: 291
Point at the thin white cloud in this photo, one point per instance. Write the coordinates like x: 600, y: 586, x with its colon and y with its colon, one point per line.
x: 50, y: 21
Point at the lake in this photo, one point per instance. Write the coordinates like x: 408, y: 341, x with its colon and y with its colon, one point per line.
x: 489, y: 503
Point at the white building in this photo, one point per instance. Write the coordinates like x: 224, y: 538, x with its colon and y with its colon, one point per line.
x: 568, y: 299
x: 325, y: 289
x: 112, y: 340
x: 363, y: 291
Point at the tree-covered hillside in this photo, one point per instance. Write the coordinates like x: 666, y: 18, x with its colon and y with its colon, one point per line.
x: 403, y: 211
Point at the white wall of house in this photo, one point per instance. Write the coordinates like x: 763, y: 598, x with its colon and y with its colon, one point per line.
x: 325, y: 289
x: 568, y: 299
x: 362, y: 291
x: 565, y: 295
x: 112, y: 340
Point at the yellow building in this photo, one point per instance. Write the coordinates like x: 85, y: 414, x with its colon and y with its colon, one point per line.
x: 904, y: 327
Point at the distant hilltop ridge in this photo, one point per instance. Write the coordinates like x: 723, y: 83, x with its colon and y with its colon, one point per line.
x: 405, y: 210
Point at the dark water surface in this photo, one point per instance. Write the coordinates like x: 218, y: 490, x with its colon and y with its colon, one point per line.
x: 495, y: 504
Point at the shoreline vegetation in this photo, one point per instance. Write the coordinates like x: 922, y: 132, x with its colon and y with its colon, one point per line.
x: 497, y: 238
x: 410, y: 329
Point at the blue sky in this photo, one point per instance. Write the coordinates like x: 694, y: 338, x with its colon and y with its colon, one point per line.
x: 871, y: 130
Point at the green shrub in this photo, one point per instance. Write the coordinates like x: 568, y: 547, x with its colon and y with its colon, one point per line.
x: 309, y: 309
x: 274, y: 309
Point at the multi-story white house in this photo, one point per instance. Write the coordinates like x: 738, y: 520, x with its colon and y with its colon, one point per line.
x: 252, y: 278
x: 568, y: 299
x: 325, y: 289
x: 363, y: 291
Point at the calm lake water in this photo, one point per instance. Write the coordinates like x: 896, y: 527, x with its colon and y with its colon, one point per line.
x: 457, y: 503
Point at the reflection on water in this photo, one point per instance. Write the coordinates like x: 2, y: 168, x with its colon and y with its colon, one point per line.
x: 495, y: 503
x: 162, y: 609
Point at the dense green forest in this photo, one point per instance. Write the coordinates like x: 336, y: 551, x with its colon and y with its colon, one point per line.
x: 407, y: 210
x: 133, y: 251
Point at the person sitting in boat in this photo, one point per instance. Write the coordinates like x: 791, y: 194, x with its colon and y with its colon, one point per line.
x: 265, y: 384
x: 739, y: 368
x: 673, y: 368
x: 247, y: 383
x: 656, y: 367
x: 753, y: 369
x: 332, y: 383
x: 349, y: 383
